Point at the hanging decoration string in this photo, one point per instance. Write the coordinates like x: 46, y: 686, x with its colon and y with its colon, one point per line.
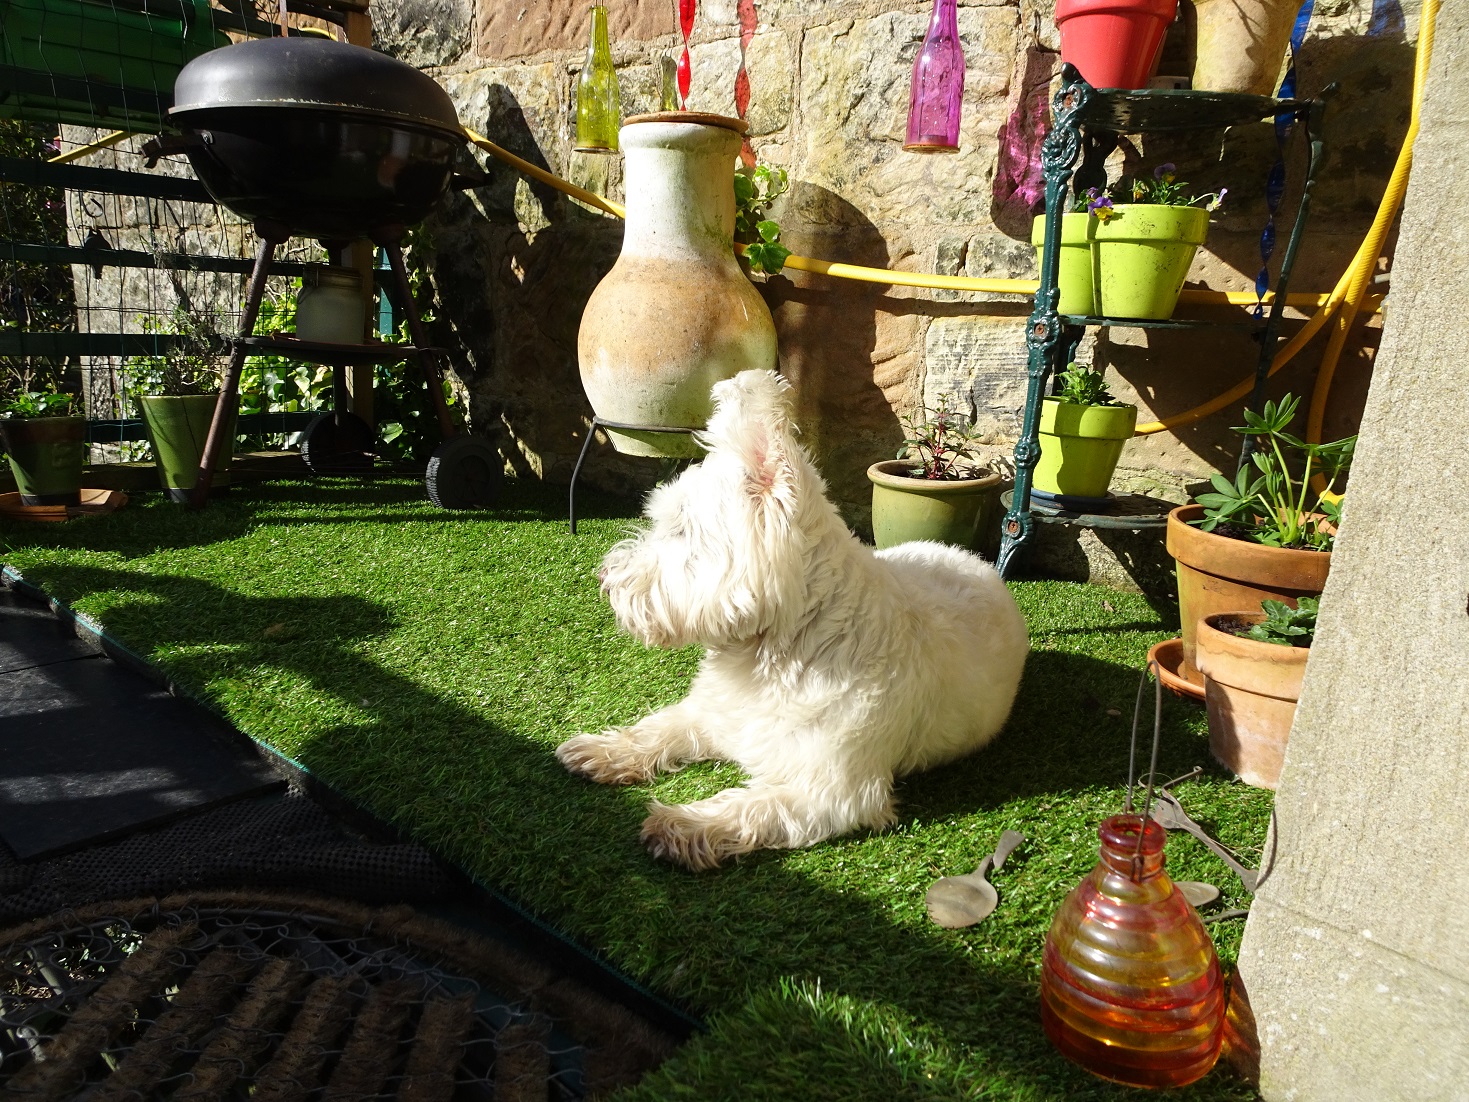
x: 1285, y: 124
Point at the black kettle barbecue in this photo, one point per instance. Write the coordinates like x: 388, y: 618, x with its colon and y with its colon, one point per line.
x: 307, y: 136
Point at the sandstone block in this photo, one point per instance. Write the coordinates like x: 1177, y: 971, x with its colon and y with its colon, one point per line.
x: 509, y: 29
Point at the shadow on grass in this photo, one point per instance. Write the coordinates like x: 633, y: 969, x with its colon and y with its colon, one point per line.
x: 151, y: 522
x: 823, y: 992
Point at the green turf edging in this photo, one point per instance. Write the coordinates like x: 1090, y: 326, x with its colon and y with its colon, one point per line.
x: 425, y: 664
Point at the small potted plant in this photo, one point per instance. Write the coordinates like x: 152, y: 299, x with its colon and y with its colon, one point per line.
x: 1253, y: 664
x: 176, y: 393
x: 934, y: 490
x: 1268, y: 533
x: 1074, y: 260
x: 1145, y: 237
x: 1082, y: 430
x: 46, y: 446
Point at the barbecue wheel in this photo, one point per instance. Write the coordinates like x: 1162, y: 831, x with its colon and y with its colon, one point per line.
x: 464, y: 473
x: 337, y: 442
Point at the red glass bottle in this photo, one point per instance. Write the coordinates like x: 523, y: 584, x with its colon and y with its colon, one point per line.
x: 937, y: 93
x: 1130, y: 983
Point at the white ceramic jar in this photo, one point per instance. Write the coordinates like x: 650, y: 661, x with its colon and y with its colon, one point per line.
x: 329, y: 307
x: 676, y: 314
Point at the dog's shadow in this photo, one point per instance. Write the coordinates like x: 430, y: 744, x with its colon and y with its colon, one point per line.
x: 1062, y: 738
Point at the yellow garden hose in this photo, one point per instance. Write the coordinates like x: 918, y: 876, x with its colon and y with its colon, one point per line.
x: 1366, y: 261
x: 857, y: 271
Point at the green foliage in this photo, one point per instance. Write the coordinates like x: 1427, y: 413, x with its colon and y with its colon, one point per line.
x: 1289, y: 627
x: 274, y: 383
x: 1084, y: 386
x: 1271, y: 504
x: 944, y: 441
x: 192, y: 363
x: 755, y: 189
x: 33, y: 403
x: 1164, y: 188
x: 34, y: 297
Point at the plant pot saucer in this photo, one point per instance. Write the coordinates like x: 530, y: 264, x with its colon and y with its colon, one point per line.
x: 93, y: 502
x: 1072, y: 503
x: 1176, y: 674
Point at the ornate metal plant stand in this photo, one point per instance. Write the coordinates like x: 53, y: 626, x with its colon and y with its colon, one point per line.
x: 1087, y: 122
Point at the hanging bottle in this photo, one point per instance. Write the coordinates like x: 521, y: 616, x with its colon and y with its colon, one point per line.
x: 937, y: 93
x: 598, y: 110
x: 1130, y: 984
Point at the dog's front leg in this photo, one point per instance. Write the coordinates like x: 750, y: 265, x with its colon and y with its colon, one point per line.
x: 665, y: 740
x: 706, y: 833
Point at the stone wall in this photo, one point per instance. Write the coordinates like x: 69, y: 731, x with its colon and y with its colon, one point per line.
x: 1359, y: 987
x: 515, y: 261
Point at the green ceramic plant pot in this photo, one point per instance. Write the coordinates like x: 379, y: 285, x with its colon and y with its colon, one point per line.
x: 1074, y: 262
x: 961, y: 513
x: 1080, y: 447
x: 177, y: 427
x: 46, y: 455
x: 1141, y: 256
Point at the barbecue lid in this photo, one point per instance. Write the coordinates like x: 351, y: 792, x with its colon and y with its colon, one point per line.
x: 316, y: 73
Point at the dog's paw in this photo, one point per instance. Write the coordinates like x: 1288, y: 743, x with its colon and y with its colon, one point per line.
x: 686, y: 837
x: 605, y: 759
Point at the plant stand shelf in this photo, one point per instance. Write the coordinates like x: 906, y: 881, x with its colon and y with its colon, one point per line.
x: 1128, y: 512
x: 1088, y: 122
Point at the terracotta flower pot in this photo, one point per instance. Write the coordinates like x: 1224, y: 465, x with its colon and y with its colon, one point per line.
x: 960, y: 512
x: 1113, y: 43
x: 675, y: 315
x: 1241, y: 44
x: 1250, y: 689
x: 1221, y: 574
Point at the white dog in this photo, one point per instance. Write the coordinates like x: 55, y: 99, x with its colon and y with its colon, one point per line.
x: 829, y: 669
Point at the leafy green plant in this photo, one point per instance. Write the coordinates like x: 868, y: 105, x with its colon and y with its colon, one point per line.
x: 1286, y: 626
x: 32, y: 403
x: 1084, y: 386
x: 755, y: 189
x: 35, y: 297
x: 943, y: 441
x: 1269, y: 502
x: 190, y: 365
x: 273, y: 383
x: 1164, y: 188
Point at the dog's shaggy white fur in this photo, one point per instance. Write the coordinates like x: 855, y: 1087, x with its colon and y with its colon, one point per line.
x: 829, y: 669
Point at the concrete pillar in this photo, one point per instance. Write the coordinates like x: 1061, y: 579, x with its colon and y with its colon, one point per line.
x: 1356, y: 955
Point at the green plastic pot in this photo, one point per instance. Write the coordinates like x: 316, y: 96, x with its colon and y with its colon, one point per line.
x: 46, y: 455
x: 907, y: 508
x: 177, y: 427
x: 90, y: 63
x: 1141, y: 256
x: 1074, y: 261
x: 1080, y: 447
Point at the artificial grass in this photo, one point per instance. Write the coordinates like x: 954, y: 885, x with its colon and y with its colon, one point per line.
x: 427, y: 663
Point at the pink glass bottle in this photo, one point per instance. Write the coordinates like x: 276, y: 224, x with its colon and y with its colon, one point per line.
x: 937, y: 93
x: 1130, y: 983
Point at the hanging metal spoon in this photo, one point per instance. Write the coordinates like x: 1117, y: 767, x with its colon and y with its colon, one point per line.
x: 958, y: 901
x: 1170, y: 814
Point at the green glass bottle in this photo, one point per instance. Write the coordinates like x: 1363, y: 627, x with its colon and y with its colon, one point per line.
x: 598, y: 112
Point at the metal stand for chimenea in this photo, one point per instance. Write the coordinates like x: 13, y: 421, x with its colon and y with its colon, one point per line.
x: 464, y: 471
x: 586, y: 444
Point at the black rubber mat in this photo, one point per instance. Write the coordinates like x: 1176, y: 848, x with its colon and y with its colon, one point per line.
x: 90, y: 751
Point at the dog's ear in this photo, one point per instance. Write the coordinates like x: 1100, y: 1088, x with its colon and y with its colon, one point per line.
x: 752, y: 423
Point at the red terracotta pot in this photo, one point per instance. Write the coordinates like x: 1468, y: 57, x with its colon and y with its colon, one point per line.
x: 1113, y: 43
x: 1220, y: 574
x: 1251, y: 689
